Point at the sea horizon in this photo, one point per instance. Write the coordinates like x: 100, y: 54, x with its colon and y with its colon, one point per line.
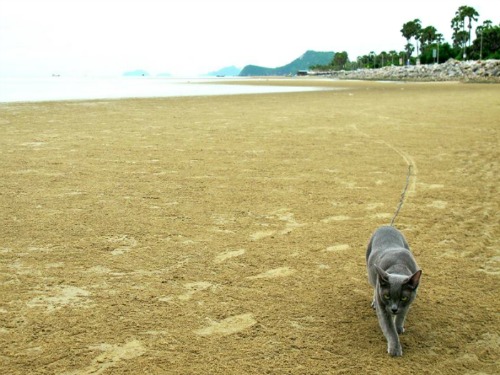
x: 59, y: 88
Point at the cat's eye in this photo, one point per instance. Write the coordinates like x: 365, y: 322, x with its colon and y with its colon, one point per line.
x: 404, y: 298
x: 386, y: 296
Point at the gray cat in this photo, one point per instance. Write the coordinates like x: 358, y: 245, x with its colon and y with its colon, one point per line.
x: 394, y: 274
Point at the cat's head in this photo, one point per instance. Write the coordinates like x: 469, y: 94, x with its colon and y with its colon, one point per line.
x: 397, y: 292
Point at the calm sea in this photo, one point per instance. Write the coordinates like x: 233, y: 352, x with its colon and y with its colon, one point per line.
x: 65, y: 88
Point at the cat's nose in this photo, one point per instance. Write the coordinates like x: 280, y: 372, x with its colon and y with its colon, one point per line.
x: 394, y: 309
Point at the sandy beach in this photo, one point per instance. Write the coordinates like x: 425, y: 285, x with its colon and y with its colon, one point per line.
x: 227, y: 234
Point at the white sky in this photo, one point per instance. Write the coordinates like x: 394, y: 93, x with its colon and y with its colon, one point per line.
x: 189, y: 37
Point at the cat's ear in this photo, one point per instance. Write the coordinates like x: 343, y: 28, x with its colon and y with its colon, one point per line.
x: 383, y: 276
x: 414, y: 279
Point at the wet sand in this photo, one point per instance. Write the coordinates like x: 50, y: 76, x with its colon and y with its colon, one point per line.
x: 227, y: 235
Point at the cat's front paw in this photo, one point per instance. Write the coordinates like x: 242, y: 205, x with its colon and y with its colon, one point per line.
x: 395, y: 351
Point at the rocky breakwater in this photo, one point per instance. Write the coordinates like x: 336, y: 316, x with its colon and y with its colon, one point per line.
x: 452, y: 70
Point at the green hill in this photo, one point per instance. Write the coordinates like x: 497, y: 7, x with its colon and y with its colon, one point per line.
x: 304, y: 62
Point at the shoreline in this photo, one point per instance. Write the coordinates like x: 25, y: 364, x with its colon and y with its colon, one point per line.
x: 197, y: 88
x: 77, y: 89
x: 306, y: 85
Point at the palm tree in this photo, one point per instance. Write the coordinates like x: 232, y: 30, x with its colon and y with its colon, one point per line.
x: 472, y: 15
x: 365, y: 61
x: 479, y: 33
x: 457, y: 25
x: 411, y: 29
x: 428, y: 36
x: 402, y: 55
x: 340, y: 60
x: 383, y: 56
x: 461, y: 40
x: 361, y: 62
x: 393, y: 54
x: 439, y: 40
x: 458, y: 22
x: 409, y: 48
x: 373, y: 59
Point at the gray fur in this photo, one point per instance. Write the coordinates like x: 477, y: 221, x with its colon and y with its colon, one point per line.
x: 395, y: 276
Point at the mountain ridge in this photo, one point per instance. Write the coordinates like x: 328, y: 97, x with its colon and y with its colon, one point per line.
x: 304, y: 62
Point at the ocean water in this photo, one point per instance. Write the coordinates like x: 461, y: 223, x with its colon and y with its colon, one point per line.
x: 67, y: 88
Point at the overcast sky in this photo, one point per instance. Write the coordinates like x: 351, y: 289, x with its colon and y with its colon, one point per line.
x: 190, y: 37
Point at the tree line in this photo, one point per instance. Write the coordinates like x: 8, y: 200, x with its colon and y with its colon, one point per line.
x: 429, y: 45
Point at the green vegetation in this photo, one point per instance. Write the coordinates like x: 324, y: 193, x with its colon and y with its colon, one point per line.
x: 429, y: 45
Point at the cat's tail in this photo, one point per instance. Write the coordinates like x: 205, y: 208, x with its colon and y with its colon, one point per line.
x: 403, y: 195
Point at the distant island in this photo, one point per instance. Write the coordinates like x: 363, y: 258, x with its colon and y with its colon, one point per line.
x: 304, y: 62
x: 230, y: 71
x: 136, y: 73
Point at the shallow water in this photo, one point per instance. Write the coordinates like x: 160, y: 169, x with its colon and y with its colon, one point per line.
x: 67, y: 88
